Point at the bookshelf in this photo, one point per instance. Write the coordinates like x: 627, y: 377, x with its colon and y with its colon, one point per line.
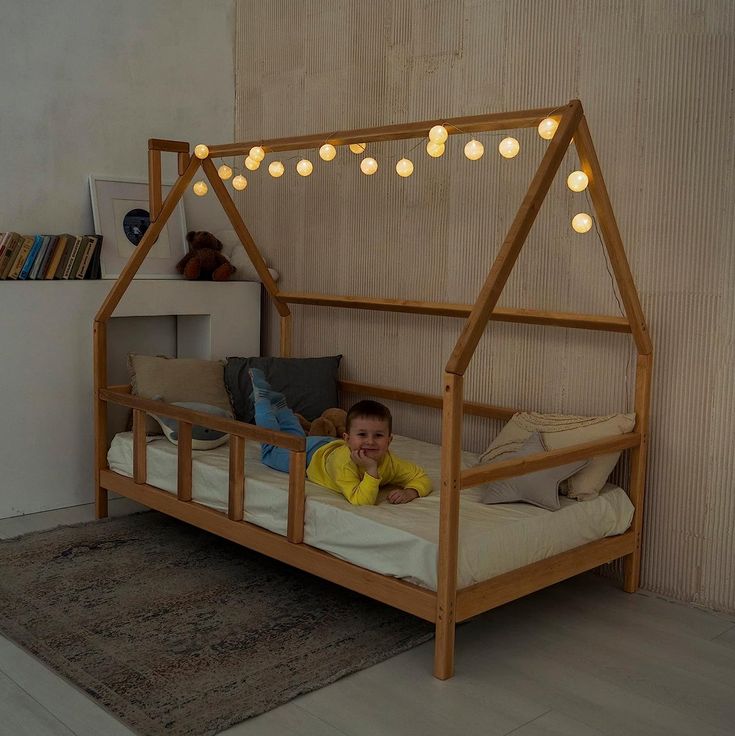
x: 47, y: 433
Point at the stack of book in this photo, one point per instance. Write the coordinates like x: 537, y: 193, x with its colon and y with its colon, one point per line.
x: 27, y: 257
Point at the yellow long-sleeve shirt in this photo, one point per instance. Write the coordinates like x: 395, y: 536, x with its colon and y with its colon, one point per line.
x: 332, y: 467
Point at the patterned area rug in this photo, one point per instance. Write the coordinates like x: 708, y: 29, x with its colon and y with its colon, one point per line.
x: 177, y: 631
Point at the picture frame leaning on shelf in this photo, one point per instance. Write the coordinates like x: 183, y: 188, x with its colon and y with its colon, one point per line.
x: 121, y: 215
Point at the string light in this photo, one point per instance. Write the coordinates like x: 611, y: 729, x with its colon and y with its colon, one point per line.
x: 251, y: 164
x: 438, y: 134
x: 581, y: 222
x: 224, y: 171
x: 358, y: 147
x: 509, y: 147
x: 200, y: 188
x: 434, y: 149
x: 201, y: 151
x: 474, y: 150
x: 327, y: 152
x: 577, y: 181
x: 304, y: 167
x: 239, y: 182
x: 256, y: 153
x: 276, y: 169
x: 547, y: 127
x: 404, y: 167
x: 368, y: 166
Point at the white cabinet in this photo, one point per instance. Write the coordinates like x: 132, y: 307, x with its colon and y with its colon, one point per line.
x: 47, y: 430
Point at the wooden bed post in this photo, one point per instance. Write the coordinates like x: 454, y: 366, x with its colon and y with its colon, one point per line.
x: 446, y: 588
x: 99, y: 352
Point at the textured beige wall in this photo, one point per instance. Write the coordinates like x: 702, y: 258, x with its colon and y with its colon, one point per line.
x: 656, y: 81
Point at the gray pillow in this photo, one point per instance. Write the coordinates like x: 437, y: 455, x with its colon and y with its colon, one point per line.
x: 540, y: 488
x: 309, y: 384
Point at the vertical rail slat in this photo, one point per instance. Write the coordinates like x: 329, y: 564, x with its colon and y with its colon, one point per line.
x: 99, y: 350
x: 183, y: 483
x: 446, y: 590
x: 140, y: 448
x: 638, y: 458
x: 236, y: 497
x: 296, y: 497
x: 154, y: 183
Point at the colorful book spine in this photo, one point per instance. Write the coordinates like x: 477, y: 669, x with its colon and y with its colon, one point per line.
x: 8, y: 255
x: 73, y: 256
x: 56, y: 256
x: 22, y: 255
x: 46, y: 256
x: 25, y: 271
x: 40, y: 256
x: 87, y: 256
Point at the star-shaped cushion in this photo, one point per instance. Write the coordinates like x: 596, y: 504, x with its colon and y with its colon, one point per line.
x: 540, y: 488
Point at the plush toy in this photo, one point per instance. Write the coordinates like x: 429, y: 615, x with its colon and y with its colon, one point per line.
x: 204, y: 261
x: 332, y: 423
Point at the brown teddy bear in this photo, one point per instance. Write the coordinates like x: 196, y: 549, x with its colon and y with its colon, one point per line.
x: 204, y: 261
x: 332, y: 423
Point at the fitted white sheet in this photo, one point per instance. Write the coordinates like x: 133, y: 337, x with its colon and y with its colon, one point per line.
x: 398, y: 540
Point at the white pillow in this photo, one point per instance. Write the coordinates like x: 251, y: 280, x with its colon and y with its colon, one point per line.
x: 233, y: 250
x: 563, y: 430
x: 202, y: 438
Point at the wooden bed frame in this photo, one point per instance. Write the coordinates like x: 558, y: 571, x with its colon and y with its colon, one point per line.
x: 447, y: 605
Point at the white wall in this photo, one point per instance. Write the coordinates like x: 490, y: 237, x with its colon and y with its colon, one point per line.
x: 86, y: 83
x: 657, y: 81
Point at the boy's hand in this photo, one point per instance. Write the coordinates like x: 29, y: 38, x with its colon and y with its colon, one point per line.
x: 402, y: 495
x: 364, y: 461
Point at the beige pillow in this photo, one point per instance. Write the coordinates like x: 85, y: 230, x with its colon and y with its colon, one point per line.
x: 563, y: 430
x: 177, y: 379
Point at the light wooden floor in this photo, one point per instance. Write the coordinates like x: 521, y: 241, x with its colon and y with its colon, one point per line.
x: 579, y: 659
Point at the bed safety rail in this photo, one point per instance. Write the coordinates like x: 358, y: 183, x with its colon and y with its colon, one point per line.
x: 239, y: 432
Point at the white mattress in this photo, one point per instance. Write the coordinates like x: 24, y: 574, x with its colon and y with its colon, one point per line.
x: 398, y: 540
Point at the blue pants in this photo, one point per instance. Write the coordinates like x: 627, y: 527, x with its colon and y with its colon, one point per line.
x: 283, y: 420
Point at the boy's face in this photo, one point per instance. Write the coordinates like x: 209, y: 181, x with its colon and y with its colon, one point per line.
x: 370, y: 435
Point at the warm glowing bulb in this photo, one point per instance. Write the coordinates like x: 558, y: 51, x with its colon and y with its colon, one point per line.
x: 276, y: 169
x: 434, y: 149
x: 239, y: 182
x: 509, y: 147
x: 368, y: 166
x: 224, y: 171
x: 581, y: 222
x: 256, y: 153
x: 358, y: 147
x: 327, y: 152
x: 438, y: 134
x: 251, y: 164
x: 474, y: 150
x: 577, y: 181
x: 200, y: 188
x: 201, y: 151
x: 304, y: 167
x: 547, y: 127
x: 404, y: 167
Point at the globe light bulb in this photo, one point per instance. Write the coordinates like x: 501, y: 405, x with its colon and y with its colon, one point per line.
x: 200, y: 188
x: 276, y: 169
x: 509, y: 147
x: 474, y: 150
x: 304, y: 167
x: 368, y: 166
x: 438, y: 134
x: 251, y: 164
x: 201, y: 151
x: 404, y: 167
x: 256, y: 153
x: 224, y: 171
x: 577, y: 181
x: 239, y: 182
x: 327, y: 152
x: 358, y: 147
x: 434, y: 149
x: 547, y: 127
x: 581, y: 222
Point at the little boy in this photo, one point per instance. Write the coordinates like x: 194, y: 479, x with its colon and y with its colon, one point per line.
x: 355, y: 466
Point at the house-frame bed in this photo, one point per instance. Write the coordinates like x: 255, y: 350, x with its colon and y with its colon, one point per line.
x: 447, y: 605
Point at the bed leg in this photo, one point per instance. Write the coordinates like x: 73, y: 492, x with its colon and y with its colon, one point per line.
x: 100, y: 503
x: 632, y: 570
x: 444, y: 648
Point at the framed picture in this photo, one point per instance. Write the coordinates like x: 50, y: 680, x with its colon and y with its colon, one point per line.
x: 121, y: 216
